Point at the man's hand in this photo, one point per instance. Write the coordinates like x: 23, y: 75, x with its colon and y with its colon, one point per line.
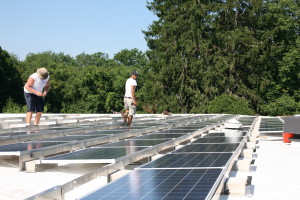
x: 39, y: 94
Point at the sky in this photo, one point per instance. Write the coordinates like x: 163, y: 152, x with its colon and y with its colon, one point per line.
x: 73, y: 27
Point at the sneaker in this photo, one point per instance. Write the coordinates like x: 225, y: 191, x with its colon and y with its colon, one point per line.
x: 27, y: 125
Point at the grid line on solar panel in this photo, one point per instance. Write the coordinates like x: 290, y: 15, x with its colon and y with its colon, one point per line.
x: 98, y: 153
x: 172, y: 131
x: 105, y: 132
x: 185, y: 128
x: 218, y: 140
x: 73, y: 138
x: 186, y: 160
x: 225, y: 134
x: 133, y: 127
x: 136, y: 142
x: 200, y: 148
x: 24, y: 146
x: 17, y: 133
x: 159, y: 184
x: 159, y: 136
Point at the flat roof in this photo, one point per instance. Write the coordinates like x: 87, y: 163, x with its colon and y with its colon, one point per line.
x: 275, y: 172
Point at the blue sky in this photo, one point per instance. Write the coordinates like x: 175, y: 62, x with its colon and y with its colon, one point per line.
x: 73, y: 26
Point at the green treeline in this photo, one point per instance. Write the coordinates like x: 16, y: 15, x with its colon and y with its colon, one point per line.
x: 223, y: 56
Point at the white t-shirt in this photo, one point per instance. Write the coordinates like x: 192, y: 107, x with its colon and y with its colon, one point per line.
x: 128, y: 85
x: 39, y: 83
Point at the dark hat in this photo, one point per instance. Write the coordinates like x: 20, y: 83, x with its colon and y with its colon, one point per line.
x: 42, y: 73
x: 135, y: 73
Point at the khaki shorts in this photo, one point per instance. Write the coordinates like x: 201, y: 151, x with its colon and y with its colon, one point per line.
x: 128, y: 104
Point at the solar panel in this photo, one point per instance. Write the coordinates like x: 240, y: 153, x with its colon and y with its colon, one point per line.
x: 226, y: 134
x: 229, y: 147
x: 191, y: 128
x: 195, y: 124
x: 133, y: 127
x: 106, y: 154
x: 24, y: 146
x: 105, y: 132
x: 19, y: 133
x: 218, y: 140
x: 247, y: 121
x: 144, y: 143
x: 70, y: 138
x: 144, y: 124
x: 160, y: 184
x: 61, y: 128
x: 271, y: 124
x: 158, y: 136
x: 189, y: 160
x: 175, y: 131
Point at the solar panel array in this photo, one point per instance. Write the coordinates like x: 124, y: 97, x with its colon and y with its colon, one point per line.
x: 123, y: 148
x: 191, y: 172
x: 17, y: 148
x: 44, y: 142
x: 271, y: 125
x: 159, y: 184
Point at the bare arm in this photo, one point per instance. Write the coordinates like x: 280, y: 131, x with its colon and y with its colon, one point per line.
x: 133, y: 95
x: 46, y: 88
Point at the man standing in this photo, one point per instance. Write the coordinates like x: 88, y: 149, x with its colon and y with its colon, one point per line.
x: 130, y: 100
x: 36, y: 87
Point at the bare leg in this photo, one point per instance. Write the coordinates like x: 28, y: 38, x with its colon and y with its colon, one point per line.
x: 37, y: 118
x: 129, y: 120
x: 28, y: 118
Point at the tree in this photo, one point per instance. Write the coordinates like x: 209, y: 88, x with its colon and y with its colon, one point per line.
x: 12, y: 107
x: 202, y: 49
x: 230, y: 105
x: 132, y: 58
x: 280, y: 22
x: 284, y: 105
x: 96, y: 59
x: 10, y: 80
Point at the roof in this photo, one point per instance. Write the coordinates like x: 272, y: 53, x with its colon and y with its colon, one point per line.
x: 273, y: 170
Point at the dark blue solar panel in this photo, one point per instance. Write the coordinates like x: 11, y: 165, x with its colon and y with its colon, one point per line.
x: 190, y: 160
x: 191, y: 128
x: 24, y: 146
x: 159, y: 184
x: 104, y: 132
x: 218, y: 140
x: 98, y: 153
x: 167, y: 131
x: 144, y: 143
x: 229, y: 147
x: 20, y: 133
x: 159, y: 136
x: 69, y: 138
x: 227, y: 134
x: 131, y: 128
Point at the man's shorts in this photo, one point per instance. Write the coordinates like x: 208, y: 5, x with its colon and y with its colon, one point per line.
x: 128, y: 104
x: 34, y: 102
